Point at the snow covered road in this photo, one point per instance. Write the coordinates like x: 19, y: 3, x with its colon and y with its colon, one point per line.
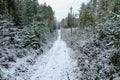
x: 56, y: 64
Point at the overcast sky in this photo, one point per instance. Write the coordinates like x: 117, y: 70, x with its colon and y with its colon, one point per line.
x: 62, y: 7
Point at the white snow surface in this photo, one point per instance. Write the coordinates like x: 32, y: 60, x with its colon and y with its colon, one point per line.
x: 55, y: 64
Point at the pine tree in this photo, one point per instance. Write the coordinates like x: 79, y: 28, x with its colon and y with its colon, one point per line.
x: 82, y: 15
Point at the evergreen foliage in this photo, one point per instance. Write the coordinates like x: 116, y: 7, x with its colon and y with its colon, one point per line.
x: 69, y: 21
x: 25, y: 28
x: 38, y: 19
x: 97, y: 40
x: 104, y: 17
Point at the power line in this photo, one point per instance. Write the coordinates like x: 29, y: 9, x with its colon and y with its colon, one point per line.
x: 73, y: 2
x: 82, y: 2
x: 62, y: 10
x: 61, y: 13
x: 75, y: 5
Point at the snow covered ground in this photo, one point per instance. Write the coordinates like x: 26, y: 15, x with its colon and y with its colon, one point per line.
x: 56, y: 64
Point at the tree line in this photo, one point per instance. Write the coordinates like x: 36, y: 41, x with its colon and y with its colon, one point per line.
x: 97, y: 40
x: 26, y: 11
x: 35, y: 22
x: 92, y: 13
x: 97, y: 11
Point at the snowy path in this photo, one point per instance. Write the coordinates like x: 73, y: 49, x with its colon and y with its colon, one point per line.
x: 55, y: 64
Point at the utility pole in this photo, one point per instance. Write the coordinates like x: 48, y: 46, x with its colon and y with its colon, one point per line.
x: 71, y: 19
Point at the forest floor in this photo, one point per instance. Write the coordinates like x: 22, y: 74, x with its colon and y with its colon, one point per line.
x: 56, y: 64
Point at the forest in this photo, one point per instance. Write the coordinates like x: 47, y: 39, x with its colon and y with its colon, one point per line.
x: 98, y: 39
x: 25, y: 27
x: 28, y: 30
